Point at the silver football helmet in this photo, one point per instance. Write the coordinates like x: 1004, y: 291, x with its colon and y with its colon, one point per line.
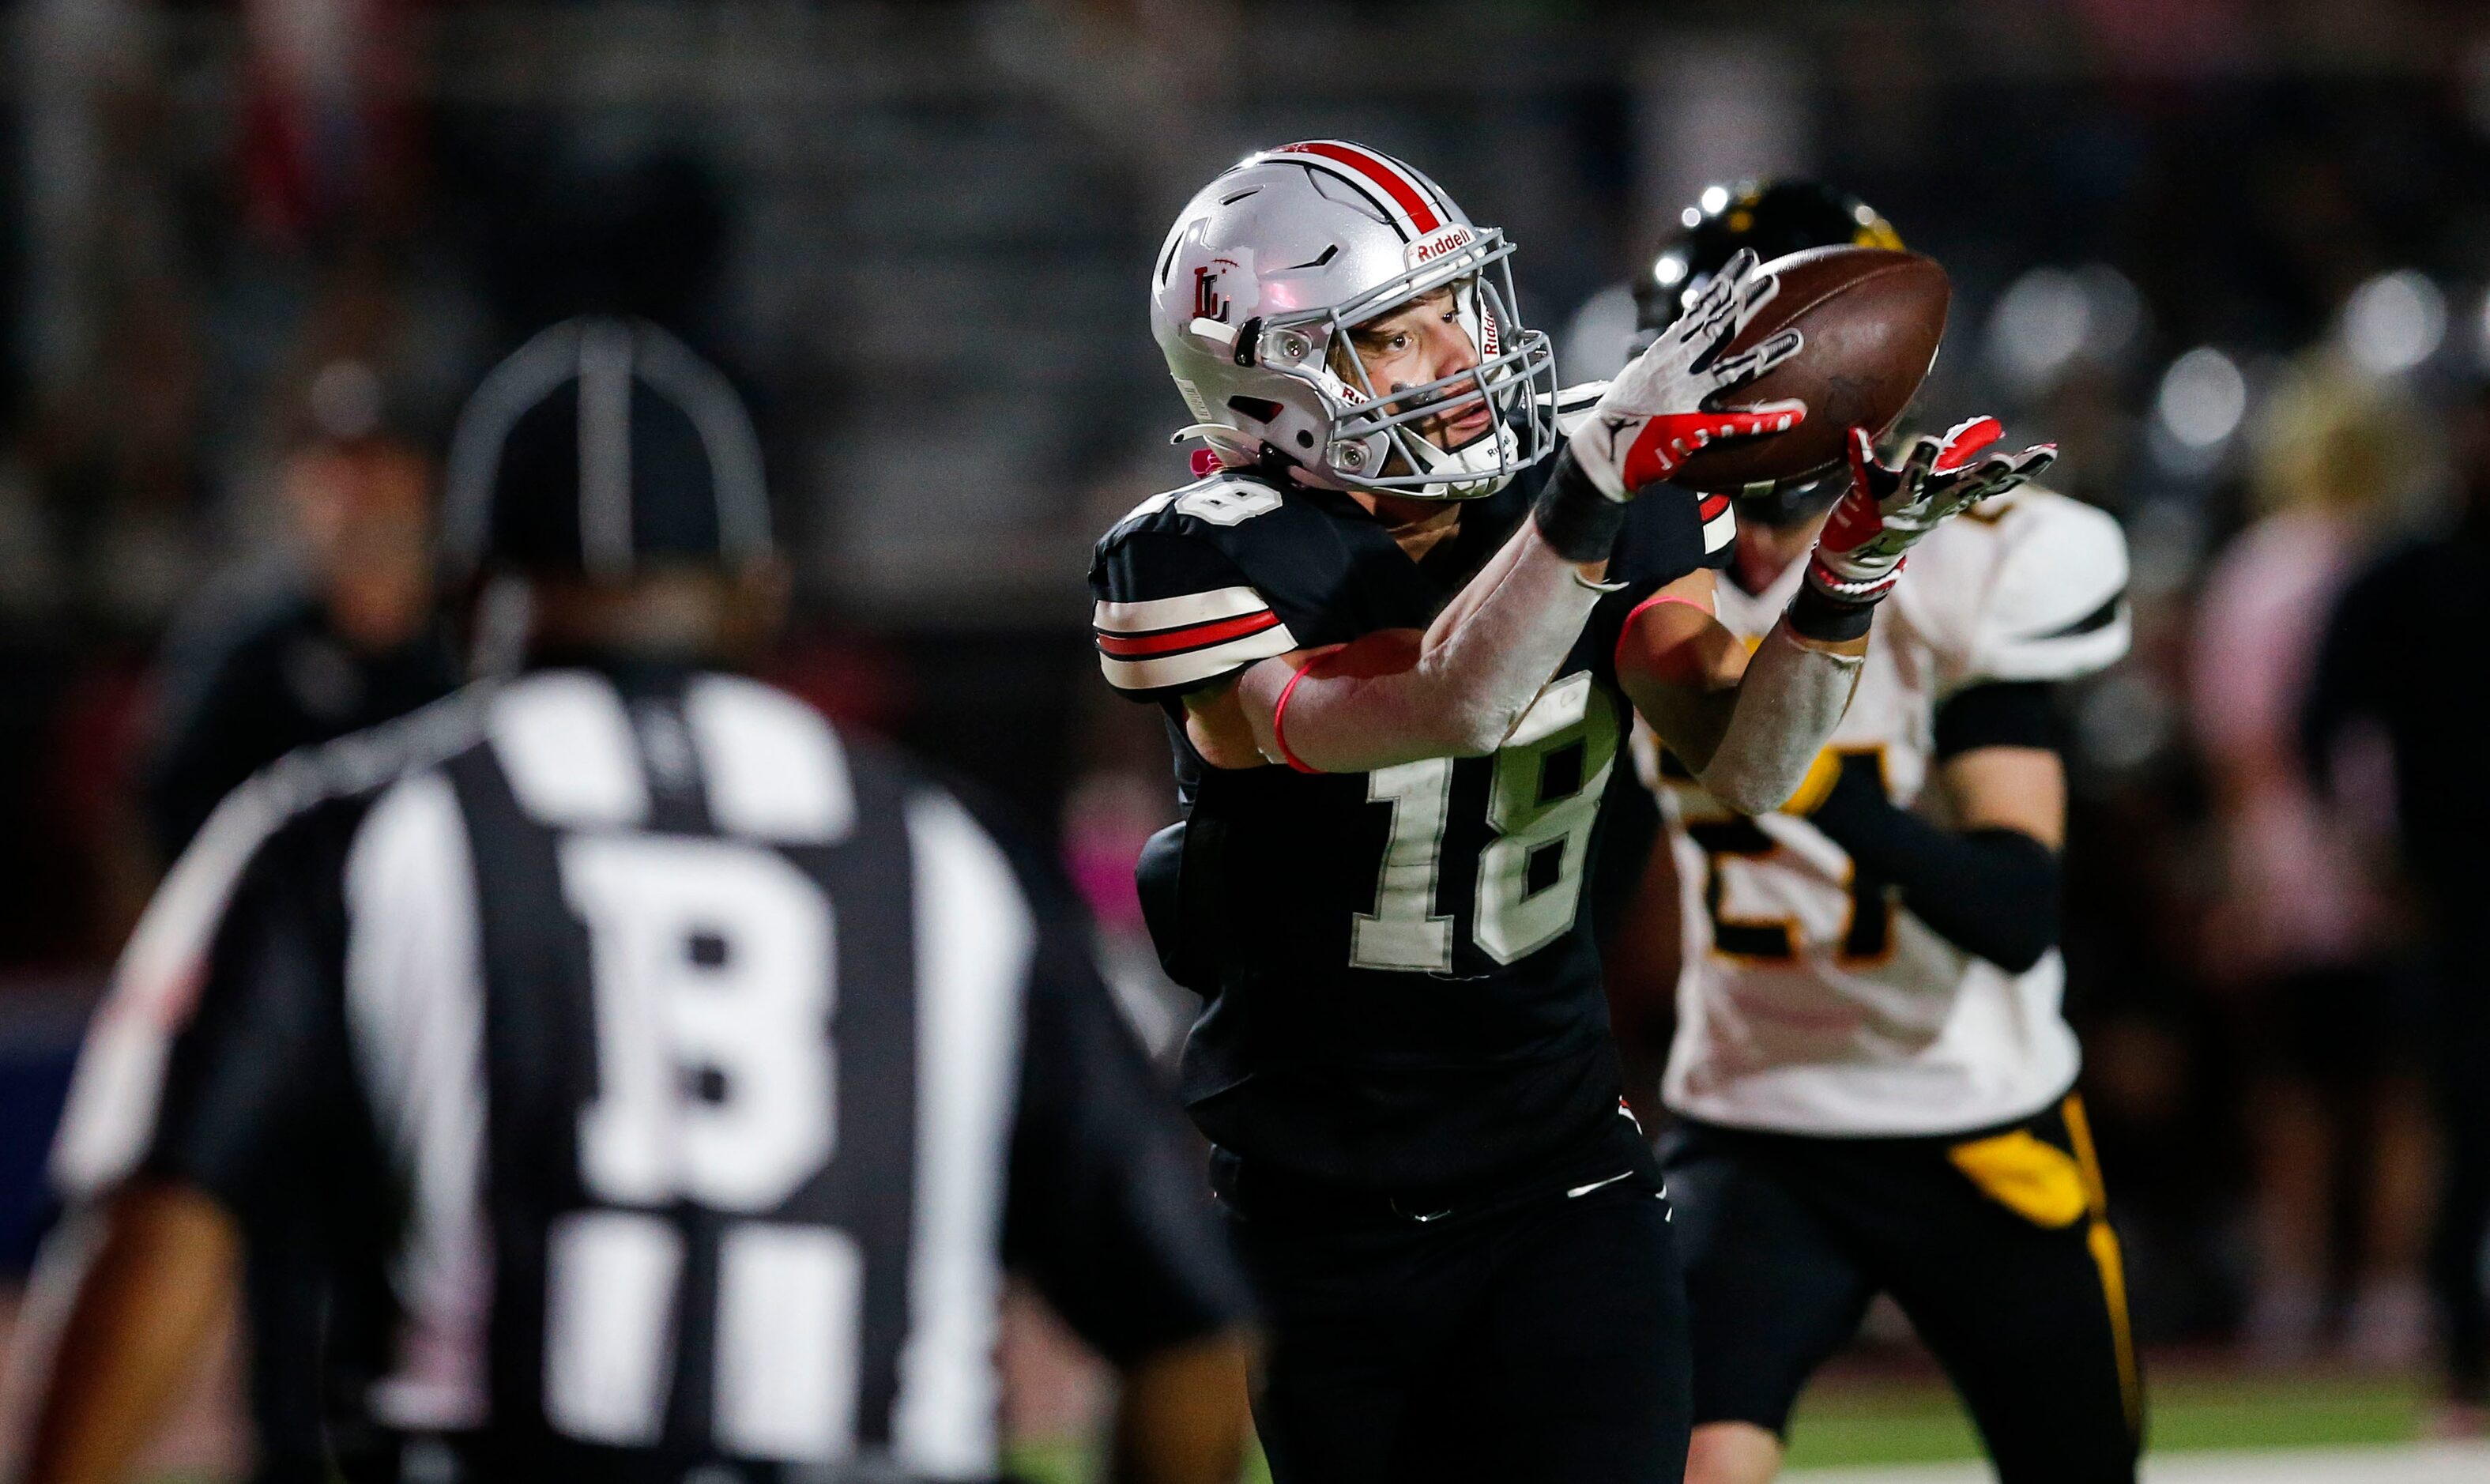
x: 1264, y: 275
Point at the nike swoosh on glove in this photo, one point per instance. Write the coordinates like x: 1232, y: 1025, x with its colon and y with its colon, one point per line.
x: 1656, y: 414
x: 1887, y: 509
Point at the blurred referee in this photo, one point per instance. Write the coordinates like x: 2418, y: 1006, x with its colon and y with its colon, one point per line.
x: 669, y: 1077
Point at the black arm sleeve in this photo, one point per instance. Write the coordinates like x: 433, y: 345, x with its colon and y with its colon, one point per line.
x: 2000, y: 713
x: 1109, y: 1212
x: 1990, y: 893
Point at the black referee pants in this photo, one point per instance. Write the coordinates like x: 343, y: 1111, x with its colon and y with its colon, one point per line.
x: 1543, y: 1340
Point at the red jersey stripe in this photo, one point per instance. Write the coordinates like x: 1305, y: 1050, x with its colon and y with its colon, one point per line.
x: 1192, y: 636
x: 1400, y: 187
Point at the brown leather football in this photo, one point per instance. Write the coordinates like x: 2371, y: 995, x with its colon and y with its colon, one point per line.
x: 1872, y: 319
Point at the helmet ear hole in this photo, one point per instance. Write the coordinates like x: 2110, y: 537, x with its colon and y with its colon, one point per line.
x: 1259, y: 409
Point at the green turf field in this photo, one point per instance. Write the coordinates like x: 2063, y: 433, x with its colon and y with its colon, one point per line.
x: 1909, y: 1422
x: 1856, y: 1421
x: 1860, y: 1422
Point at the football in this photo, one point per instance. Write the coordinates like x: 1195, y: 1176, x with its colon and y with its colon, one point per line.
x: 1874, y: 318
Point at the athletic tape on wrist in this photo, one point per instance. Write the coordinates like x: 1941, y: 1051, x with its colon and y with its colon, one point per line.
x: 1575, y: 518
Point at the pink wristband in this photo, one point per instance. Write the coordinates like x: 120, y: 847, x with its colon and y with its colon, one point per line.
x: 1280, y: 714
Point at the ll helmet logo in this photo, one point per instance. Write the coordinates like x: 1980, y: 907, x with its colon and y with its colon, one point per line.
x: 1208, y: 302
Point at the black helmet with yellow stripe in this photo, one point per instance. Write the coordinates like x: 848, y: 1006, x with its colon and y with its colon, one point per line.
x: 1774, y: 218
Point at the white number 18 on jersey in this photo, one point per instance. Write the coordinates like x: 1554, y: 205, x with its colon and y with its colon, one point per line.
x: 1530, y: 876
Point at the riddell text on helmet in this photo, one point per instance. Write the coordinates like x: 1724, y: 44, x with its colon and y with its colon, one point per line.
x: 1427, y: 249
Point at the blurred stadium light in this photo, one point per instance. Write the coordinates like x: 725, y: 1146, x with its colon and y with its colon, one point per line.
x: 2394, y: 322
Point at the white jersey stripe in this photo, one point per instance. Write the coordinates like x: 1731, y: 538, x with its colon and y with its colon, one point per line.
x: 118, y: 1085
x: 1197, y: 664
x: 608, y: 1362
x: 1151, y: 615
x: 1719, y: 531
x: 415, y: 1006
x: 119, y: 1082
x: 773, y: 768
x: 975, y: 939
x: 567, y: 745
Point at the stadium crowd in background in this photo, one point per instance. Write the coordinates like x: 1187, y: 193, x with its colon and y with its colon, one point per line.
x: 2231, y: 257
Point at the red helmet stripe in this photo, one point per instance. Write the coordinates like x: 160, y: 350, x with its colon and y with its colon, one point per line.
x: 1381, y: 171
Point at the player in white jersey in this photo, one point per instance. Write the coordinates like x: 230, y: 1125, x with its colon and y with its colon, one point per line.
x: 1870, y: 1073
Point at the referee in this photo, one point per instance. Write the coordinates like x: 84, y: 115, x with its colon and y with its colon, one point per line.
x: 668, y: 1077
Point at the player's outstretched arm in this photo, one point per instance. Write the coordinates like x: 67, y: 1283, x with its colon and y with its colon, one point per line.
x: 1747, y: 726
x: 160, y: 1286
x: 1459, y: 688
x: 1750, y: 726
x: 1455, y: 691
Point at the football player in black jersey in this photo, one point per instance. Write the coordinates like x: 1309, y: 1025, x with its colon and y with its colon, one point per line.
x: 669, y: 1076
x: 1398, y: 645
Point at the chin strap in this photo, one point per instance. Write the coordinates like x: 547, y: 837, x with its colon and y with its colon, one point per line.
x: 1485, y: 477
x: 1236, y: 449
x: 1240, y: 453
x: 1229, y: 447
x: 1220, y: 436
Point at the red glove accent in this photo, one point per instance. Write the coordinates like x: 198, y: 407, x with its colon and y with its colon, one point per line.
x: 1667, y: 441
x: 1962, y: 442
x: 1888, y: 506
x: 1857, y: 518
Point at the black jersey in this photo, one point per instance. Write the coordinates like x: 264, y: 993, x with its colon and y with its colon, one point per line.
x: 671, y: 1077
x: 1403, y: 989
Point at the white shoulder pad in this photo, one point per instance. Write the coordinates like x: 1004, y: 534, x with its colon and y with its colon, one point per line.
x: 1221, y: 498
x: 1574, y: 405
x: 2032, y: 587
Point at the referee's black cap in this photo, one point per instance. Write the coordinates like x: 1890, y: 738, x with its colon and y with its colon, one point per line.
x: 600, y: 446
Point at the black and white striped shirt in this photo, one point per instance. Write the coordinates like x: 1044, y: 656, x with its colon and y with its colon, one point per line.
x: 670, y: 1078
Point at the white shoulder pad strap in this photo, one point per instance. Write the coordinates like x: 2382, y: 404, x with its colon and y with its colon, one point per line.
x: 114, y: 1093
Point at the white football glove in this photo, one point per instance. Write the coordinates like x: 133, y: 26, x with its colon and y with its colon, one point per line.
x: 1654, y: 416
x: 1888, y: 508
